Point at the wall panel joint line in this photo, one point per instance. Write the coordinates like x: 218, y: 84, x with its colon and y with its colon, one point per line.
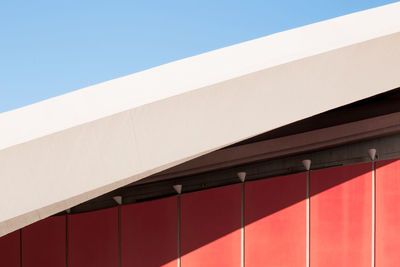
x: 242, y: 227
x: 308, y: 219
x: 179, y: 230
x: 373, y: 249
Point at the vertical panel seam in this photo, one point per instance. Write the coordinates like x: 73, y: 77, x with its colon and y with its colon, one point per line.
x: 308, y: 219
x: 20, y: 248
x: 66, y: 240
x: 242, y: 227
x: 373, y: 221
x: 179, y: 230
x: 119, y: 236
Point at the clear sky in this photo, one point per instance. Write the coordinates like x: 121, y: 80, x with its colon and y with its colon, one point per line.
x: 48, y: 48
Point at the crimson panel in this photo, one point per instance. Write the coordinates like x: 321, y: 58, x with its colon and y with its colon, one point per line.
x: 388, y: 213
x: 275, y: 219
x: 44, y: 243
x: 149, y: 233
x: 210, y: 224
x: 341, y: 216
x: 93, y: 239
x: 10, y: 250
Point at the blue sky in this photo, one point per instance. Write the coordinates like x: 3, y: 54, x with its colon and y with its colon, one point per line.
x: 48, y: 48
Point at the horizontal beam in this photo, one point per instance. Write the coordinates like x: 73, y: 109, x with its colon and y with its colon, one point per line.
x: 285, y: 146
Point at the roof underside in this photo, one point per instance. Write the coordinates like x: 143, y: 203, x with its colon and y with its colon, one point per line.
x: 370, y: 110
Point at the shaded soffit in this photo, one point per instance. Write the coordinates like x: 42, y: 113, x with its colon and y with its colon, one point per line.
x: 371, y: 122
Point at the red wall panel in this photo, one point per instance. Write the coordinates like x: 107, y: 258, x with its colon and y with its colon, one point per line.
x: 275, y: 219
x: 341, y: 216
x: 93, y: 239
x: 44, y: 243
x: 210, y: 224
x: 149, y: 233
x: 388, y: 213
x: 10, y: 250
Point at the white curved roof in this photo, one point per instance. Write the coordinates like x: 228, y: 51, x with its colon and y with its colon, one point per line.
x: 63, y: 151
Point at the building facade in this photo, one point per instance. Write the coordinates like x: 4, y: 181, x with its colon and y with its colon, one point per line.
x: 282, y: 151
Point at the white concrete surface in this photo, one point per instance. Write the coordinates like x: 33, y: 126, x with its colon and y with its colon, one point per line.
x: 63, y: 151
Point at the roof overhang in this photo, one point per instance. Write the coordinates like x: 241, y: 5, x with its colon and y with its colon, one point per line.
x: 66, y: 150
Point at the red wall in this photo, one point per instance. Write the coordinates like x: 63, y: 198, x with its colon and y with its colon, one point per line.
x: 44, y: 243
x: 211, y: 221
x: 93, y: 239
x: 149, y: 233
x: 341, y: 216
x: 275, y: 232
x: 388, y: 213
x: 10, y: 250
x: 275, y: 216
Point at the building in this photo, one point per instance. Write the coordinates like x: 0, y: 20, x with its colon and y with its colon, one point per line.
x: 282, y: 151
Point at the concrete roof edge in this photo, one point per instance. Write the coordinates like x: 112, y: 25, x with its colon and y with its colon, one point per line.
x: 111, y: 97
